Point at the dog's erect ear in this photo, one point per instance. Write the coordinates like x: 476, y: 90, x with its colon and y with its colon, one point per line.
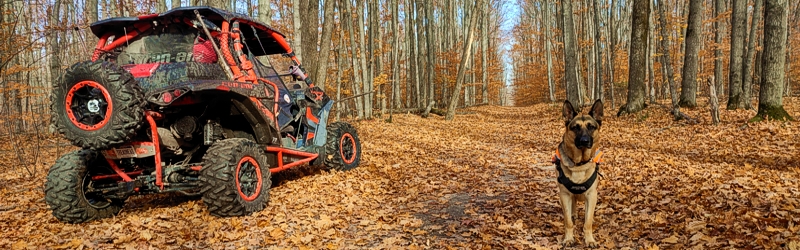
x: 597, y: 111
x: 568, y: 112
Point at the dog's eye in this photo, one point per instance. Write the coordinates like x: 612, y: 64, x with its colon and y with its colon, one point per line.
x: 591, y: 127
x: 575, y: 128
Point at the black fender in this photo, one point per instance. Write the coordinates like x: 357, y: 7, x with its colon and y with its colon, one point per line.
x: 254, y: 101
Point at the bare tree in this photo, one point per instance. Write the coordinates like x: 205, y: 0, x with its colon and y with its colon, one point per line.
x: 297, y: 35
x: 548, y: 36
x: 770, y: 97
x: 689, y: 76
x: 348, y: 22
x: 598, y: 55
x: 612, y: 49
x: 162, y: 5
x: 221, y: 4
x: 666, y: 62
x: 747, y: 65
x: 638, y: 48
x: 738, y: 29
x: 54, y: 17
x: 325, y: 45
x: 485, y: 56
x: 465, y: 53
x: 367, y: 80
x: 570, y: 57
x: 429, y: 41
x: 309, y: 19
x: 264, y: 11
x: 719, y: 26
x: 91, y: 16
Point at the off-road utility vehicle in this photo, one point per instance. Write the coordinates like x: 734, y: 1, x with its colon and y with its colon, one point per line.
x: 187, y: 101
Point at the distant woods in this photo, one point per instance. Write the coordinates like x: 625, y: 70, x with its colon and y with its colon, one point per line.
x: 634, y: 52
x: 401, y: 55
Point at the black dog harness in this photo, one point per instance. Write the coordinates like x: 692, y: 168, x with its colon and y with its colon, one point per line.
x: 577, y: 188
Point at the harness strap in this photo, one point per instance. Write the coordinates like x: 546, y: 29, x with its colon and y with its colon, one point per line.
x: 577, y: 188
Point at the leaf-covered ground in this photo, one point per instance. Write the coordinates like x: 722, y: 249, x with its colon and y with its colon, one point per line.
x: 483, y: 181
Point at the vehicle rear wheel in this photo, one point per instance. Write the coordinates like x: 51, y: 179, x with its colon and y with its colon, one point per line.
x: 235, y: 178
x: 97, y: 105
x: 69, y: 189
x: 342, y: 147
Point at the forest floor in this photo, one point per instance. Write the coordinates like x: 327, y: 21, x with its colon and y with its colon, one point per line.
x: 483, y: 181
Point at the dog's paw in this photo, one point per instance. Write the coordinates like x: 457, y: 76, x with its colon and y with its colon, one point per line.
x: 590, y: 242
x: 568, y: 241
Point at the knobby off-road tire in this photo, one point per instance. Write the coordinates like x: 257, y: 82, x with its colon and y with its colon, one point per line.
x: 342, y: 147
x: 67, y: 181
x: 235, y: 178
x: 97, y: 105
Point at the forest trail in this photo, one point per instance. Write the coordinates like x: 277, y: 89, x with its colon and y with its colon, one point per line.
x: 481, y: 181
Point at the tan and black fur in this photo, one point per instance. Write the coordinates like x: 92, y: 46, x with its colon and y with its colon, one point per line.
x: 577, y: 148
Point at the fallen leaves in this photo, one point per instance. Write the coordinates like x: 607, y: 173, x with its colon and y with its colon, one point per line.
x: 483, y: 181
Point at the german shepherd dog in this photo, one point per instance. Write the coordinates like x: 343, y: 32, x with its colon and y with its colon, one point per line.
x: 577, y: 161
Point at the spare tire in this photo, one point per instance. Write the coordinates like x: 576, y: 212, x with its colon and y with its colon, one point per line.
x: 97, y: 105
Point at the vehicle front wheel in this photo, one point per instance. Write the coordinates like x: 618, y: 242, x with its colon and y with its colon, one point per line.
x: 69, y: 189
x: 235, y: 178
x: 342, y: 147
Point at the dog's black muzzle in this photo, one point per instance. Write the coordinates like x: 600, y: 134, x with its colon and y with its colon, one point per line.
x: 583, y: 141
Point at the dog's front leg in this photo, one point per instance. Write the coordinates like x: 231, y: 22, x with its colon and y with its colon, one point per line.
x: 591, y: 201
x: 566, y: 205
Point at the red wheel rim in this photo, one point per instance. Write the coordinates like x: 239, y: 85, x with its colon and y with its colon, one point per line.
x: 248, y: 188
x: 84, y: 105
x: 347, y: 148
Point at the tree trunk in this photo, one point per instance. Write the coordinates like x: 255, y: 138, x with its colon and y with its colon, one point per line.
x: 412, y: 87
x: 264, y: 11
x: 339, y: 69
x: 91, y: 16
x: 612, y: 50
x: 363, y: 56
x: 747, y: 65
x: 719, y: 26
x: 321, y: 72
x: 375, y: 44
x: 638, y: 48
x: 689, y: 74
x: 297, y: 35
x: 465, y: 54
x: 770, y: 98
x: 309, y: 19
x: 429, y: 41
x: 650, y: 88
x: 419, y: 88
x: 570, y: 57
x: 54, y: 18
x: 738, y: 20
x: 162, y: 6
x: 598, y: 56
x: 395, y: 55
x: 548, y: 36
x: 348, y: 21
x: 666, y: 60
x: 485, y: 55
x: 220, y: 4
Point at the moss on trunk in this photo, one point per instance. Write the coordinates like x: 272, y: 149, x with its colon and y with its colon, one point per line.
x: 767, y: 112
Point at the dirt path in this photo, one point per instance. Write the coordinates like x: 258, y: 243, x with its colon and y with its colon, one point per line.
x: 482, y: 181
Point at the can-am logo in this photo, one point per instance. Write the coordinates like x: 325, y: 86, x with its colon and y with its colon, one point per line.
x: 163, y: 58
